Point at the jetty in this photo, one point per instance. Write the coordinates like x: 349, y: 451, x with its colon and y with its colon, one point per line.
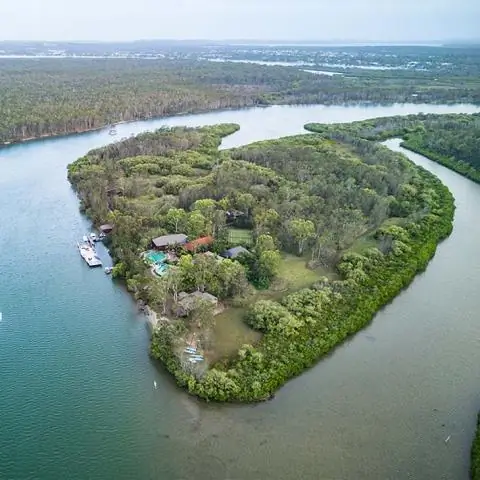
x: 88, y: 253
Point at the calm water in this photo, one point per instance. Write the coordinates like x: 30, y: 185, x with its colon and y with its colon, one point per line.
x: 76, y: 394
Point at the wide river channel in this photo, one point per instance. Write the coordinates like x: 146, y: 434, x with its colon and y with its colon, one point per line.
x: 76, y: 383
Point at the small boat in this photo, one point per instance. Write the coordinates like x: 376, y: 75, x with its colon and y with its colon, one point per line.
x: 190, y: 350
x: 155, y: 384
x: 112, y: 131
x: 85, y: 239
x: 108, y: 270
x: 93, y: 237
x: 197, y: 357
x: 101, y: 236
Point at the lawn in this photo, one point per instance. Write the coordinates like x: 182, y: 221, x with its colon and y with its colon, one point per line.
x: 232, y: 332
x: 295, y: 274
x: 240, y: 236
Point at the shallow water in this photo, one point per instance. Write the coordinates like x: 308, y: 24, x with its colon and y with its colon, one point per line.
x: 77, y: 398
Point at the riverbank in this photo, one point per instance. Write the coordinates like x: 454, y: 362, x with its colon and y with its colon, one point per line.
x: 126, y: 122
x: 450, y: 162
x: 475, y: 468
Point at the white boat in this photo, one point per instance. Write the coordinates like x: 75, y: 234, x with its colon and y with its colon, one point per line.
x: 93, y: 237
x: 89, y: 255
x: 112, y: 131
x: 197, y: 357
x: 85, y: 238
x: 155, y: 384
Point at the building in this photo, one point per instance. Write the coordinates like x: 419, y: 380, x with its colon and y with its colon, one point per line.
x: 106, y: 229
x: 234, y: 252
x: 188, y: 301
x: 166, y: 241
x: 194, y: 245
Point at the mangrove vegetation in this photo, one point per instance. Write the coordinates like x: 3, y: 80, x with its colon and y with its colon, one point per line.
x: 452, y: 140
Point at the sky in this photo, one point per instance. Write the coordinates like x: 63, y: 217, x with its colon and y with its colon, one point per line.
x: 327, y: 20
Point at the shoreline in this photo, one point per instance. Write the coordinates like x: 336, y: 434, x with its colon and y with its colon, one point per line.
x: 201, y: 111
x: 13, y: 143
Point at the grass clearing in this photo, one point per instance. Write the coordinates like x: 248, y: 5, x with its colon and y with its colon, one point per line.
x: 232, y: 332
x: 240, y: 236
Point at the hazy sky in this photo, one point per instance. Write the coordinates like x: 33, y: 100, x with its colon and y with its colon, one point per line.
x: 375, y: 20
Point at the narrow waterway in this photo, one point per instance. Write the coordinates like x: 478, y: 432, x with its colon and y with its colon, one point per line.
x: 76, y: 384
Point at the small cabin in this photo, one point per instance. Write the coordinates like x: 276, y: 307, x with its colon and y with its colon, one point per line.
x: 235, y: 252
x: 187, y: 302
x: 167, y: 241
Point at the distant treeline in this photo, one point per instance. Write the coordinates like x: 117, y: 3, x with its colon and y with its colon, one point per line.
x: 45, y: 97
x: 452, y: 140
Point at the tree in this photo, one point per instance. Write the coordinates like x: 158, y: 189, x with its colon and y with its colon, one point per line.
x: 301, y: 230
x: 176, y: 218
x: 174, y: 282
x: 265, y: 242
x: 232, y: 280
x: 218, y: 222
x: 268, y: 265
x: 203, y: 318
x: 196, y: 224
x: 265, y: 315
x: 265, y: 221
x: 159, y: 293
x: 207, y: 207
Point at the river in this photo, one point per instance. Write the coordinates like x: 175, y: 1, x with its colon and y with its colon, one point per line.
x: 77, y: 398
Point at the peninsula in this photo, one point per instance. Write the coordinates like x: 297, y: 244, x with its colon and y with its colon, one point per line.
x: 301, y: 239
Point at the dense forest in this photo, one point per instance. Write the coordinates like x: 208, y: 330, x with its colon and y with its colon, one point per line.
x: 339, y: 203
x: 452, y: 140
x: 43, y: 97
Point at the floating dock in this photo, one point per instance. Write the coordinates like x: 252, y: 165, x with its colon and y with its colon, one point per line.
x: 89, y: 255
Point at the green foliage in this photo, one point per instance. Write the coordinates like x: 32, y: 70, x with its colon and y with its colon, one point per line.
x: 301, y: 230
x: 475, y: 466
x: 47, y: 97
x: 307, y: 324
x: 313, y: 194
x: 452, y: 140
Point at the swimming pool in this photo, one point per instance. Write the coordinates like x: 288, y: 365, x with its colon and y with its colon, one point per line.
x: 154, y: 257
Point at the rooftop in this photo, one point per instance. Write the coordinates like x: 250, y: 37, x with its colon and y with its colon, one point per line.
x: 166, y: 240
x: 234, y: 252
x: 194, y: 244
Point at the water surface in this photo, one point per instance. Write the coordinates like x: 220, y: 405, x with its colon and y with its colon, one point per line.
x: 77, y: 398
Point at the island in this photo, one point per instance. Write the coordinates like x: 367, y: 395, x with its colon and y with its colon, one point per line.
x: 257, y: 261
